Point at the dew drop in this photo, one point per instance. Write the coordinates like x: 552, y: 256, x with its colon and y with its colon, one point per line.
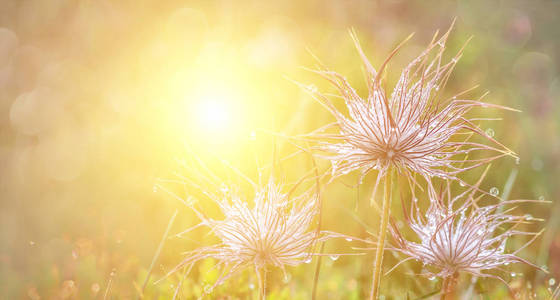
x: 432, y: 278
x: 490, y: 132
x: 513, y: 274
x: 494, y: 191
x: 334, y: 257
x: 307, y: 260
x: 517, y: 160
x: 537, y: 164
x: 541, y: 198
x: 461, y: 183
x: 95, y: 288
x: 251, y: 286
x: 287, y: 277
x: 348, y: 239
x: 155, y: 188
x: 551, y: 281
x: 528, y: 217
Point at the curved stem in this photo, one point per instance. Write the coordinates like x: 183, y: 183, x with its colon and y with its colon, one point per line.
x: 378, y: 263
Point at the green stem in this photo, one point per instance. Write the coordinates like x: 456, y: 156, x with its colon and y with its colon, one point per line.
x: 378, y: 263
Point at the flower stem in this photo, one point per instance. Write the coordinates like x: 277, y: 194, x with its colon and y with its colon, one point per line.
x: 378, y: 263
x: 448, y: 287
x: 262, y: 283
x: 317, y: 270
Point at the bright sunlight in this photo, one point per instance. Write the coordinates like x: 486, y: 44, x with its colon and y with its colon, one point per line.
x: 214, y: 112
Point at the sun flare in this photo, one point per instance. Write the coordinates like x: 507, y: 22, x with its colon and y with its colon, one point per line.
x: 214, y: 113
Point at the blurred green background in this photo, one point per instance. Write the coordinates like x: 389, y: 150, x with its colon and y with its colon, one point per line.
x: 97, y: 99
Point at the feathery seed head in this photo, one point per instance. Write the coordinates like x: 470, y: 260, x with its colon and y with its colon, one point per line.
x: 412, y: 129
x: 272, y: 232
x: 468, y: 238
x: 276, y: 230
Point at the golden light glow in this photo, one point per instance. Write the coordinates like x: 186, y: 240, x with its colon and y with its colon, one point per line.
x: 214, y: 113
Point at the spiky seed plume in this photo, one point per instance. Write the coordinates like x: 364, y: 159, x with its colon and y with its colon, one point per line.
x: 456, y: 235
x: 412, y: 129
x: 276, y: 231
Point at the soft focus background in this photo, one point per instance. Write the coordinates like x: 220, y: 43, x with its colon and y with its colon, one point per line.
x: 98, y: 99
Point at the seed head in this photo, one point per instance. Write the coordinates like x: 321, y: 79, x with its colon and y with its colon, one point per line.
x: 456, y: 235
x: 275, y: 231
x: 412, y: 130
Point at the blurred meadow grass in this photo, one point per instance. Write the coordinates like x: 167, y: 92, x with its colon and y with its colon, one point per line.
x: 99, y: 98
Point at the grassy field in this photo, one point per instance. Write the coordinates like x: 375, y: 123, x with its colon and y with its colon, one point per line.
x: 102, y: 101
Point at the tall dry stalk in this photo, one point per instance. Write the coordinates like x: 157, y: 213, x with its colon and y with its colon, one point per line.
x: 158, y: 252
